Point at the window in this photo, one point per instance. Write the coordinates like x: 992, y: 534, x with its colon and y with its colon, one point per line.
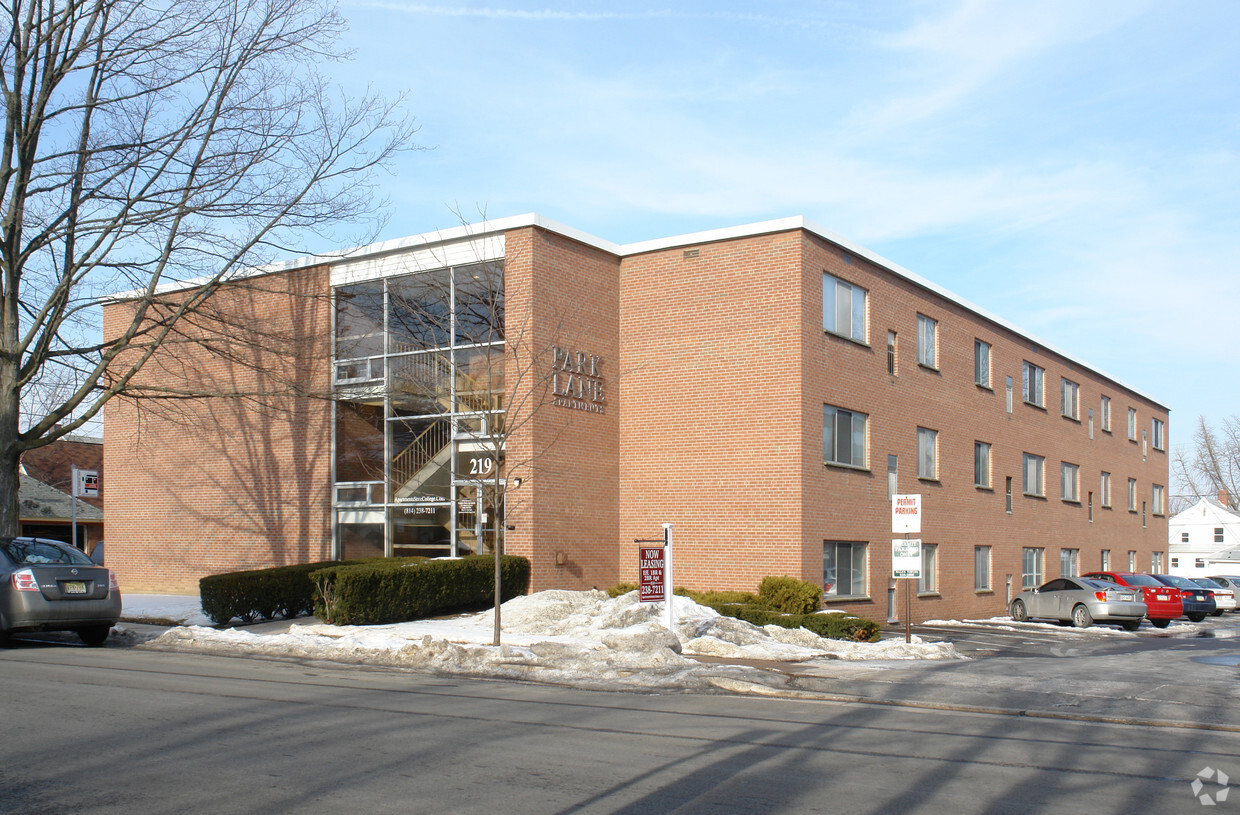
x: 1160, y: 434
x: 1069, y: 486
x: 843, y: 437
x: 843, y: 308
x: 927, y: 453
x: 1069, y: 399
x: 981, y: 568
x: 1009, y: 394
x: 981, y: 464
x: 1091, y: 507
x: 927, y: 583
x: 1104, y: 415
x: 1104, y: 496
x: 891, y: 353
x: 1218, y: 534
x: 1091, y: 423
x: 1132, y: 561
x: 1184, y: 538
x: 1156, y: 498
x: 1008, y: 494
x: 1156, y: 562
x: 1106, y: 560
x: 1175, y: 563
x: 1132, y: 424
x: 1069, y: 562
x: 1132, y: 495
x: 927, y: 336
x: 843, y: 568
x: 1199, y: 563
x: 1033, y: 470
x: 981, y: 363
x: 1031, y: 568
x: 1031, y: 385
x: 892, y: 464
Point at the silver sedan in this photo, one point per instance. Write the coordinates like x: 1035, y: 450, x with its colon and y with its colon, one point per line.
x: 1082, y: 601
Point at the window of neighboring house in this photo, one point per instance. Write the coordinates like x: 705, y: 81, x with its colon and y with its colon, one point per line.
x: 1069, y: 485
x: 927, y: 341
x: 844, y: 568
x: 1132, y: 495
x: 1218, y: 534
x: 1031, y: 385
x: 981, y: 464
x: 1184, y: 537
x: 1160, y: 434
x: 891, y: 353
x: 1200, y: 562
x: 981, y: 568
x: 1156, y: 498
x: 927, y: 453
x: 1105, y: 560
x: 1132, y: 561
x: 981, y: 363
x: 1104, y: 414
x: 1033, y: 475
x: 1069, y: 562
x: 1132, y: 424
x: 1175, y: 563
x: 843, y: 436
x: 1156, y: 562
x: 1104, y: 495
x: 929, y: 561
x: 1031, y: 567
x: 1069, y: 399
x: 843, y: 308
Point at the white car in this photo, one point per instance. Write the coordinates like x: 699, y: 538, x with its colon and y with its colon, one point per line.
x: 1229, y: 583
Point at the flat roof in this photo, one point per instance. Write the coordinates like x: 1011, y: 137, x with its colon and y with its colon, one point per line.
x: 500, y: 225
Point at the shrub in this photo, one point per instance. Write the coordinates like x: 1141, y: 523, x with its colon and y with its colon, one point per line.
x: 285, y: 591
x: 789, y: 595
x: 390, y: 591
x: 621, y: 588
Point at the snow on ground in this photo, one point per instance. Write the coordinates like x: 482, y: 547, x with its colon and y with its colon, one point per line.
x: 1098, y: 629
x: 184, y: 609
x: 582, y: 638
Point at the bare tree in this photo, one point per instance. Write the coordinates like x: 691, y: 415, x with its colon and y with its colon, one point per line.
x: 1211, y: 465
x: 156, y: 145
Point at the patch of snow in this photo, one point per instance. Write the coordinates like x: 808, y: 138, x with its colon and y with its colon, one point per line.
x: 185, y: 609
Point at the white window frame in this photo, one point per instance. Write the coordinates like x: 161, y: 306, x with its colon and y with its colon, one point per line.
x: 1105, y: 560
x: 856, y: 549
x: 1032, y: 567
x: 1132, y: 424
x: 981, y: 363
x: 1158, y: 499
x: 830, y: 437
x: 981, y: 465
x: 927, y: 341
x: 834, y: 290
x: 1104, y: 414
x: 981, y: 568
x: 1105, y: 490
x: 1069, y: 562
x: 1038, y: 488
x: 928, y: 582
x: 1159, y: 434
x: 927, y: 454
x: 1069, y: 482
x: 1033, y: 384
x: 1070, y: 399
x: 1132, y: 495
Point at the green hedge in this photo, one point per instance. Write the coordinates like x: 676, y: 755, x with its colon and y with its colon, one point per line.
x: 790, y: 595
x: 282, y: 591
x: 391, y: 591
x: 841, y: 626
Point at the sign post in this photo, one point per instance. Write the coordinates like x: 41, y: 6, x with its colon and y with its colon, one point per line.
x: 906, y: 552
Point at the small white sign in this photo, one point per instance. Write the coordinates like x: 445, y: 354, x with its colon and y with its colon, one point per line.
x: 906, y: 514
x: 906, y: 558
x: 86, y: 483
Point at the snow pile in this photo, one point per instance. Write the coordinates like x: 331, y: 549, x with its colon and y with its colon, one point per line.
x: 580, y: 638
x: 183, y: 609
x: 1098, y: 629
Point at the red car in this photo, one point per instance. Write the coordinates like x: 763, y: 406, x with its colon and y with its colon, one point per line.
x: 1162, y: 601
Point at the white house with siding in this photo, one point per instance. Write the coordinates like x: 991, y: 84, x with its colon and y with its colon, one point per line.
x: 1205, y: 539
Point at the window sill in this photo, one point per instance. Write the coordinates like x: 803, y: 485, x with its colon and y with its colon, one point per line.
x: 851, y: 598
x: 929, y: 368
x: 982, y: 387
x: 983, y: 488
x: 1076, y: 419
x: 853, y: 340
x: 1033, y: 405
x: 839, y: 466
x: 983, y: 591
x: 1076, y: 502
x: 928, y: 479
x: 927, y: 594
x: 1040, y: 496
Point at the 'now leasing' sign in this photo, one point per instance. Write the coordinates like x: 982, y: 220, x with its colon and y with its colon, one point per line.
x: 906, y: 513
x: 650, y: 586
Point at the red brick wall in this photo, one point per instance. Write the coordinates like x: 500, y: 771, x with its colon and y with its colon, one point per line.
x: 565, y: 514
x: 203, y: 486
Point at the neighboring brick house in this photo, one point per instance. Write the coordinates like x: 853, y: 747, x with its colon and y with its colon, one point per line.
x: 765, y: 388
x: 1205, y: 538
x: 46, y: 502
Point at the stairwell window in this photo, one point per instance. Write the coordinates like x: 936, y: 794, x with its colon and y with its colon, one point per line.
x: 843, y: 308
x: 927, y: 341
x: 843, y: 437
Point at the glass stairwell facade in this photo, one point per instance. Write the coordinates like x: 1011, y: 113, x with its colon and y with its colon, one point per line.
x: 419, y: 399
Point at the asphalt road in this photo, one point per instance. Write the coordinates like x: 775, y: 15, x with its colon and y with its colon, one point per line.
x: 121, y: 730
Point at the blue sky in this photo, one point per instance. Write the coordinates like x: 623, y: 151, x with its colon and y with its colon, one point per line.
x: 1070, y: 166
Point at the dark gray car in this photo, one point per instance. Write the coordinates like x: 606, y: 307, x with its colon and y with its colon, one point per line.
x: 1082, y: 601
x: 50, y: 586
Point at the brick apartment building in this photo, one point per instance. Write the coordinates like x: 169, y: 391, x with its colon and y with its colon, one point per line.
x: 765, y: 388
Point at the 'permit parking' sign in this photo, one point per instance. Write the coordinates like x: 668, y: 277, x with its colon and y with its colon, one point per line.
x: 906, y: 514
